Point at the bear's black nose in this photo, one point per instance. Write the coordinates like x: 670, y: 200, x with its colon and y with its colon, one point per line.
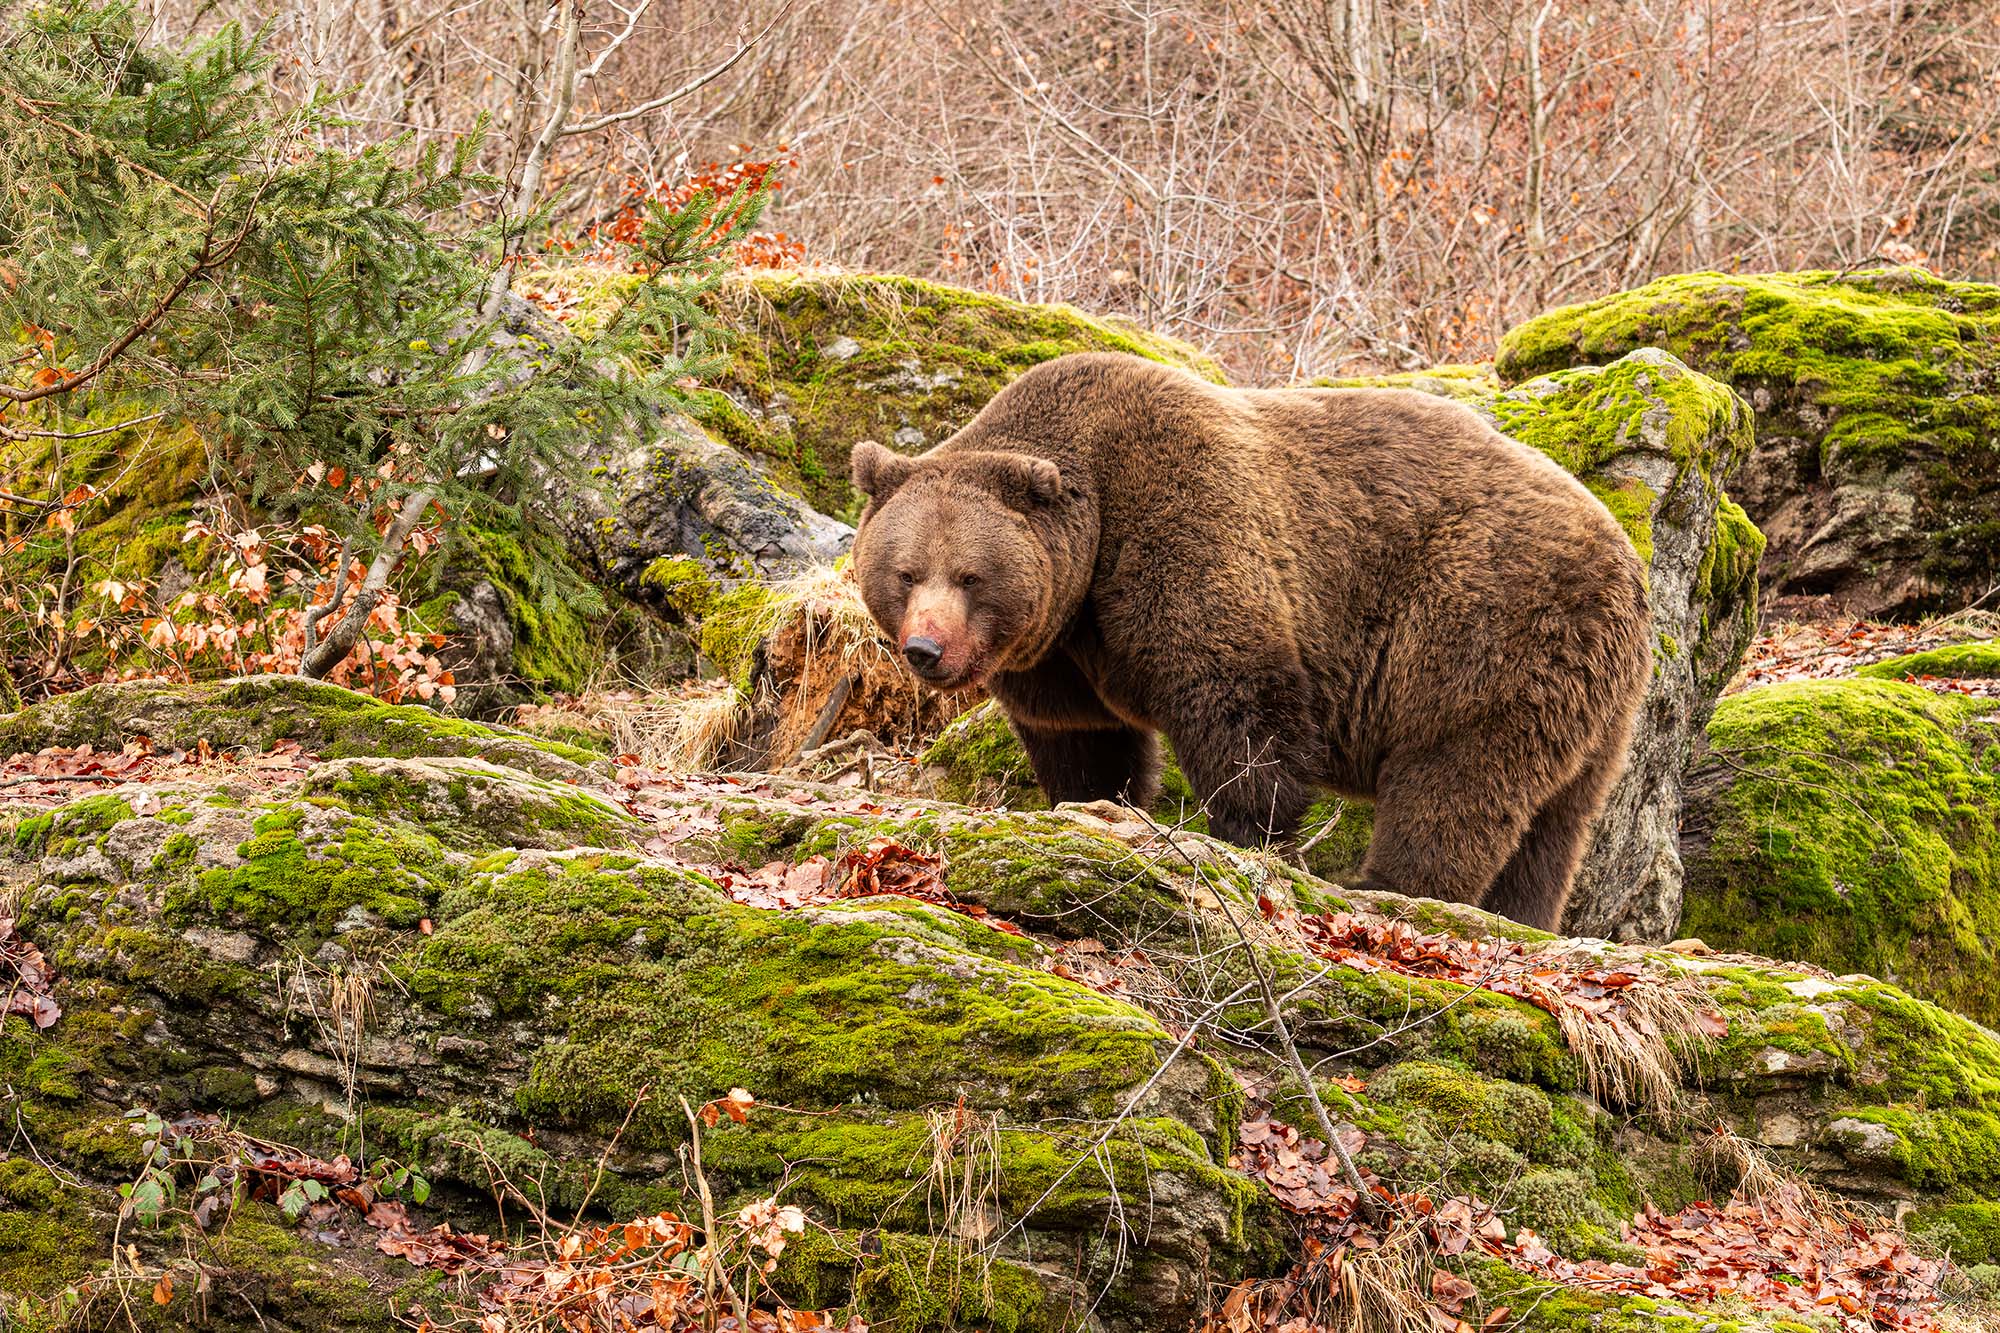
x: 923, y: 655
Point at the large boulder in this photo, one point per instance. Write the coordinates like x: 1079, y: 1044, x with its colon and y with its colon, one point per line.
x: 1876, y: 477
x: 1853, y: 823
x: 511, y: 984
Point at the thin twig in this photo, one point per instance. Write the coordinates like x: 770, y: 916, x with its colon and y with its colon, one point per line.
x: 687, y: 89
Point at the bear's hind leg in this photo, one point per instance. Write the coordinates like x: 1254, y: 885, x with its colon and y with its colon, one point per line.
x: 1534, y: 886
x: 1446, y: 821
x: 1093, y: 764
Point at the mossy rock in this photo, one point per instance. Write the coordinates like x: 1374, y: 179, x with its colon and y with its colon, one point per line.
x: 823, y: 361
x: 527, y: 617
x: 662, y: 981
x: 258, y: 711
x: 523, y: 615
x: 1466, y: 383
x: 525, y: 1001
x: 136, y: 531
x: 1958, y: 661
x: 1854, y: 824
x: 1878, y: 417
x: 524, y: 994
x: 468, y: 802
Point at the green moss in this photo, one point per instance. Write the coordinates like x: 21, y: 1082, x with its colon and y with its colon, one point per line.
x: 876, y: 1169
x: 1542, y: 1307
x: 655, y: 980
x: 61, y: 830
x: 1461, y: 1100
x: 174, y: 968
x: 1971, y: 1231
x: 920, y: 361
x: 915, y: 1284
x: 256, y: 1253
x: 1944, y: 1148
x: 1881, y: 351
x: 302, y: 874
x: 684, y: 584
x: 1502, y: 1037
x: 134, y: 531
x: 42, y: 1250
x: 1631, y: 503
x: 1958, y: 661
x: 919, y: 1284
x: 32, y: 834
x: 452, y: 1148
x: 1537, y: 1157
x: 734, y: 628
x: 1852, y: 823
x: 1465, y: 383
x: 27, y: 1184
x: 980, y: 762
x: 472, y: 804
x: 259, y: 711
x: 1583, y: 418
x: 558, y: 622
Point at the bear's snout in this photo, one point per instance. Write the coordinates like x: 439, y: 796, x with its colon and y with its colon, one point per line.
x: 923, y: 655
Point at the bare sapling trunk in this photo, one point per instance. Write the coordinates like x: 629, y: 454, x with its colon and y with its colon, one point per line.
x: 321, y: 656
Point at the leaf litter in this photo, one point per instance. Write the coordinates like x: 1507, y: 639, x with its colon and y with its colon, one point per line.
x: 52, y: 776
x: 1785, y: 1251
x: 1827, y: 650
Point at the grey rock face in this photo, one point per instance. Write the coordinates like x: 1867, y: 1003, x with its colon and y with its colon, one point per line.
x: 685, y: 493
x: 677, y: 490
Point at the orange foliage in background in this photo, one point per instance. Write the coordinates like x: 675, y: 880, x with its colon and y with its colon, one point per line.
x: 230, y: 622
x: 613, y: 242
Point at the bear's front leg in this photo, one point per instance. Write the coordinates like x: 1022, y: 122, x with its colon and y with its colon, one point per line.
x: 1097, y: 764
x: 1244, y: 739
x: 1079, y: 749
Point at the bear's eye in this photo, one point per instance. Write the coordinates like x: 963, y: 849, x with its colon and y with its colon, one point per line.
x: 907, y: 577
x: 967, y: 580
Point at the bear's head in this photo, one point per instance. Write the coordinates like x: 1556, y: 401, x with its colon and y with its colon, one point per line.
x: 950, y: 561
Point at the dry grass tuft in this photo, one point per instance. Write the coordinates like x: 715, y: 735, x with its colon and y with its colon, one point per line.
x: 686, y: 729
x: 1638, y: 1056
x: 832, y: 672
x: 1385, y: 1288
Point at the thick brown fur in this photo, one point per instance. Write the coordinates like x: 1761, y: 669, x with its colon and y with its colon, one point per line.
x: 1368, y: 590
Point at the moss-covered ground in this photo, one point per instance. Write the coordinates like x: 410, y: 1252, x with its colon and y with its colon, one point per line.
x: 532, y: 997
x: 1958, y: 661
x: 257, y: 712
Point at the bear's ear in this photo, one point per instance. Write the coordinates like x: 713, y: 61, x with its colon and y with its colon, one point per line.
x: 1023, y: 479
x: 877, y: 471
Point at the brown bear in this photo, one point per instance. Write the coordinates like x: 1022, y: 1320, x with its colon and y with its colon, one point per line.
x: 1367, y: 590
